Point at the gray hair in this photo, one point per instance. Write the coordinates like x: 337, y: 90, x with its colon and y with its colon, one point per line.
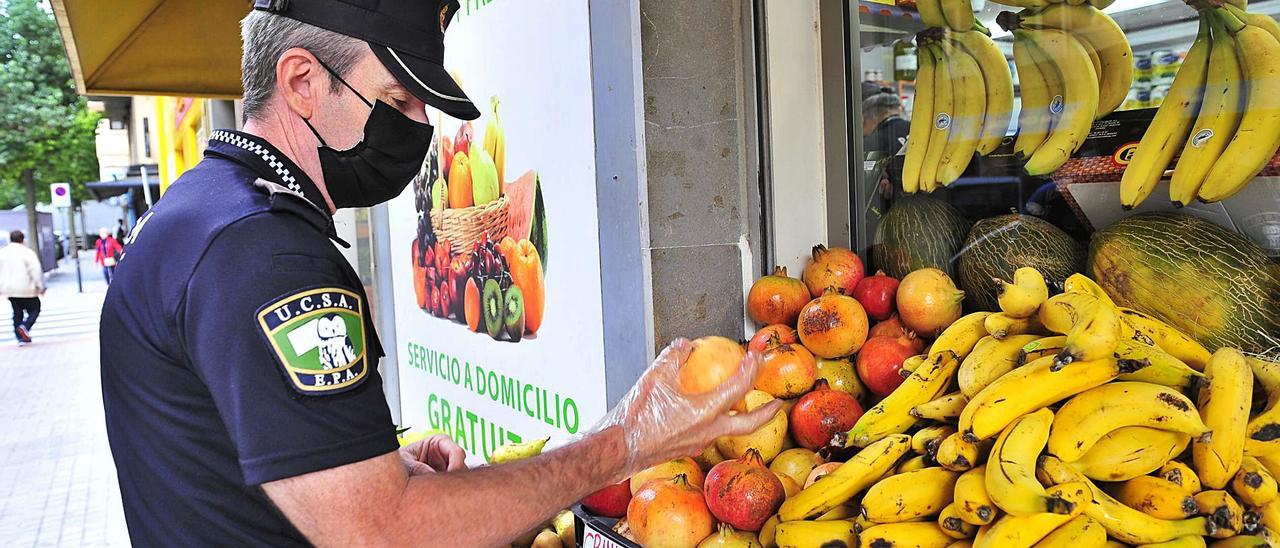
x: 266, y: 36
x: 879, y: 105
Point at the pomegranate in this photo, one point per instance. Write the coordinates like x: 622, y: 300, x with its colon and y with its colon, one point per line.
x: 840, y: 374
x: 726, y: 537
x: 833, y: 325
x: 822, y: 413
x: 835, y: 267
x: 819, y: 471
x: 880, y: 361
x: 669, y: 513
x: 610, y: 501
x: 784, y: 333
x: 928, y: 302
x: 683, y: 466
x: 796, y: 463
x: 893, y: 327
x: 776, y: 298
x: 786, y: 370
x: 876, y: 294
x: 743, y: 492
x: 712, y: 361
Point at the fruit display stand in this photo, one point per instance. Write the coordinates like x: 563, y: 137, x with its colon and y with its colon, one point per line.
x: 597, y: 532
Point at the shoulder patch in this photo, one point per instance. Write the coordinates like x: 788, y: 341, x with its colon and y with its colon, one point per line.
x: 318, y: 338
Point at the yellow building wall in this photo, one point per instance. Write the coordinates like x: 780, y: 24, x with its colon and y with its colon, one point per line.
x: 181, y: 130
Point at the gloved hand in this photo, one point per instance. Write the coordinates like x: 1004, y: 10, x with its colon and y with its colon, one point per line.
x: 659, y: 422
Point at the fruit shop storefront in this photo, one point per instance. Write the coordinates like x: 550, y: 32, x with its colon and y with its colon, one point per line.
x: 984, y: 262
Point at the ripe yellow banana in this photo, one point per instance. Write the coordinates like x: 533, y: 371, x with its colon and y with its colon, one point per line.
x: 1262, y: 20
x: 957, y: 454
x: 922, y: 534
x: 943, y: 117
x: 1104, y: 37
x: 1224, y: 406
x: 1269, y: 515
x: 495, y: 142
x: 1035, y: 82
x: 804, y: 534
x: 1079, y: 283
x: 1094, y: 336
x: 969, y: 98
x: 1084, y: 419
x: 921, y: 121
x: 917, y: 462
x: 905, y: 497
x: 1191, y: 541
x: 931, y: 13
x: 1095, y: 60
x: 1220, y: 114
x: 958, y: 14
x: 945, y: 408
x: 893, y: 414
x: 1253, y: 483
x: 1044, y: 346
x: 1181, y: 475
x: 1129, y: 452
x: 1262, y: 436
x: 1075, y: 103
x: 1081, y: 532
x: 836, y: 488
x: 1029, y: 4
x: 769, y: 531
x: 1151, y: 331
x: 1029, y: 388
x: 1162, y: 367
x: 1168, y: 131
x: 1012, y: 531
x: 1001, y: 325
x: 842, y: 512
x: 953, y: 525
x: 972, y: 502
x: 1156, y: 497
x: 1023, y: 297
x: 1122, y: 522
x: 1258, y: 135
x: 1011, y: 474
x: 999, y: 83
x: 1222, y: 510
x: 925, y: 441
x: 989, y: 360
x: 961, y: 336
x: 1062, y: 312
x: 1246, y: 541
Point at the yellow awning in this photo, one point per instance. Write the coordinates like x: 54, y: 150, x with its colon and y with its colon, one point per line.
x: 187, y: 48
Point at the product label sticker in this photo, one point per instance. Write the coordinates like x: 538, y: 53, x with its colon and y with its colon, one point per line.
x: 942, y: 122
x: 318, y: 338
x: 1057, y: 105
x: 1201, y: 137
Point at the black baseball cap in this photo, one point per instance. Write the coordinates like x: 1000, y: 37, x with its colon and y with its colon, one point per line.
x: 406, y: 35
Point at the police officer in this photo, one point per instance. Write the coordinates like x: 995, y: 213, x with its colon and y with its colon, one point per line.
x: 239, y: 361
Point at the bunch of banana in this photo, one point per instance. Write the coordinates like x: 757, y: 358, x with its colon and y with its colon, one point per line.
x: 963, y: 96
x: 1222, y: 113
x: 1074, y: 65
x: 495, y: 142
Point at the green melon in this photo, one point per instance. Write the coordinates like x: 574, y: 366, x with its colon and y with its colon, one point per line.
x: 997, y: 246
x: 1211, y: 283
x: 919, y: 231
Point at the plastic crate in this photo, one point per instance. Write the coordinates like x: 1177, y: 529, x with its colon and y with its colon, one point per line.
x: 597, y: 532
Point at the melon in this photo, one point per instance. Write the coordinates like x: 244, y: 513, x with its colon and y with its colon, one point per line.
x: 919, y: 231
x: 1209, y: 282
x: 999, y: 245
x: 526, y: 212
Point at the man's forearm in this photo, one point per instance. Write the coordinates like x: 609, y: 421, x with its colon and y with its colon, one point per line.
x: 493, y: 505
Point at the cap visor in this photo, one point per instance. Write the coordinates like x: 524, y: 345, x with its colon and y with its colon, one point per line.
x: 427, y: 81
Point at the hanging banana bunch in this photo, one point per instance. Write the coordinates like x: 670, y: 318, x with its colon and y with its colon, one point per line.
x: 1222, y: 113
x: 963, y: 96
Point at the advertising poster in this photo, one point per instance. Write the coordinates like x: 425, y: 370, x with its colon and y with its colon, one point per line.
x: 496, y: 254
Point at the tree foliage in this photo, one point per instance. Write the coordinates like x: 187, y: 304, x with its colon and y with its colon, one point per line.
x: 44, y: 124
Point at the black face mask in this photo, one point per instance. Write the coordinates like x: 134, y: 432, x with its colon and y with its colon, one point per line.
x: 379, y: 167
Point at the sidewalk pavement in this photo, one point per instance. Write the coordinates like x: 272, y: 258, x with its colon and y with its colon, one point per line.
x: 59, y: 483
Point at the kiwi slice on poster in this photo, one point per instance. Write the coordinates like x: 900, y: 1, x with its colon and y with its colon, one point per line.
x: 513, y: 319
x: 491, y: 307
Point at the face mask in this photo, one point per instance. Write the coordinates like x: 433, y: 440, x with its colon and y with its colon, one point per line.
x: 378, y: 168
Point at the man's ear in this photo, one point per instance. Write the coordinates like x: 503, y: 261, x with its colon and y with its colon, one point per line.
x: 299, y: 81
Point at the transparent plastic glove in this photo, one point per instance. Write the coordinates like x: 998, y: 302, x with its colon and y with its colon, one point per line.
x: 659, y: 422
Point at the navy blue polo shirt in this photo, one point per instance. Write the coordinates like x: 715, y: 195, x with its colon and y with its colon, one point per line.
x: 237, y: 349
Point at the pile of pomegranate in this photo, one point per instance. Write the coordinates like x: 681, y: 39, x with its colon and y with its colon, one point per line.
x: 831, y: 344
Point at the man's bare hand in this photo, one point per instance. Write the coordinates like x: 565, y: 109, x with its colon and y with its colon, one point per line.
x: 660, y: 422
x: 437, y: 453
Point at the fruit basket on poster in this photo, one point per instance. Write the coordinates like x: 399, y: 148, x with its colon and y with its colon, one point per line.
x: 463, y: 227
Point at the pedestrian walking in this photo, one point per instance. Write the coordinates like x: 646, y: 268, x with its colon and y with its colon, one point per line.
x: 22, y: 281
x: 108, y: 253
